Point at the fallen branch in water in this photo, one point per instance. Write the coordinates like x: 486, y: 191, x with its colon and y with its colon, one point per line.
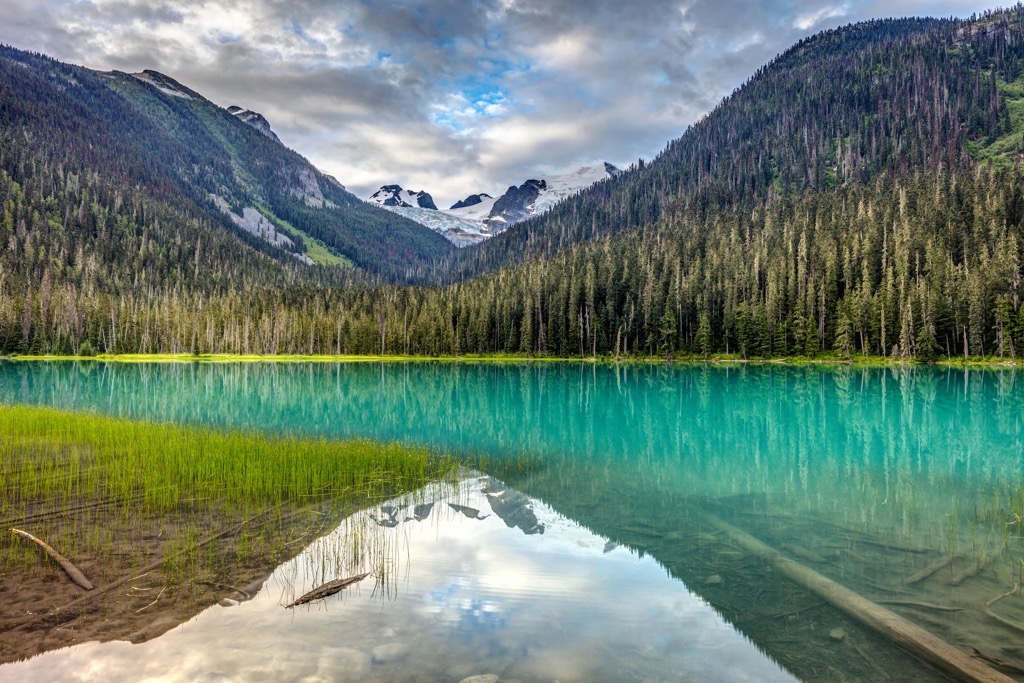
x: 74, y: 572
x: 1001, y: 663
x: 923, y: 605
x: 328, y: 589
x: 904, y: 633
x: 975, y: 568
x: 226, y: 587
x: 154, y: 601
x: 886, y: 545
x: 882, y: 674
x: 75, y: 604
x: 1003, y: 620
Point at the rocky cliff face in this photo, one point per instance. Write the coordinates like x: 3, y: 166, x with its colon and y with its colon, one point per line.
x: 254, y: 119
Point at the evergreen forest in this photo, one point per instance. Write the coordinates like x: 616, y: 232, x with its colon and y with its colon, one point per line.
x: 861, y: 195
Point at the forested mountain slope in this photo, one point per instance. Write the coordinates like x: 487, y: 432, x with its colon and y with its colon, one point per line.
x: 96, y: 147
x: 837, y: 109
x: 861, y: 194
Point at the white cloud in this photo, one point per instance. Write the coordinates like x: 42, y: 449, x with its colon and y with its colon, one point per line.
x: 443, y: 95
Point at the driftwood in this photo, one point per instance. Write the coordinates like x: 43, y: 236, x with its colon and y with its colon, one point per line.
x: 935, y: 566
x: 904, y: 633
x: 74, y: 572
x: 75, y: 604
x: 1003, y: 620
x: 328, y: 589
x: 1001, y: 663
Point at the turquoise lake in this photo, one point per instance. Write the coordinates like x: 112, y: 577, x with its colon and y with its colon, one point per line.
x: 594, y: 541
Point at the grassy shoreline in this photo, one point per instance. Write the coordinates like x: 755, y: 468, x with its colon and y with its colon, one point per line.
x: 718, y: 359
x: 166, y: 519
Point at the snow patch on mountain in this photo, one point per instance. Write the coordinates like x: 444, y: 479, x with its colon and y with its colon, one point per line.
x: 533, y: 197
x: 471, y: 200
x: 458, y: 231
x: 475, y: 212
x: 394, y: 195
x: 559, y: 187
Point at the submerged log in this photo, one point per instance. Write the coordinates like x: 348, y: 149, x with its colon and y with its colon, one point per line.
x: 935, y: 566
x: 975, y: 567
x: 74, y: 572
x: 904, y: 633
x: 328, y: 589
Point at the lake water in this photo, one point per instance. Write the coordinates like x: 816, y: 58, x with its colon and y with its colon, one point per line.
x: 600, y: 552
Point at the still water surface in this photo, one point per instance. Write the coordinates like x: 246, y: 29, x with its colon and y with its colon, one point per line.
x: 868, y: 476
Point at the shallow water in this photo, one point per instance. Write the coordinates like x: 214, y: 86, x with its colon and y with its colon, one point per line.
x: 864, y: 475
x: 463, y: 592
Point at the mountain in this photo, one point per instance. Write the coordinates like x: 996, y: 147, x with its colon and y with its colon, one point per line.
x: 860, y: 194
x: 471, y: 200
x: 481, y: 216
x: 212, y: 172
x: 394, y: 195
x: 538, y: 195
x: 838, y: 108
x: 254, y: 119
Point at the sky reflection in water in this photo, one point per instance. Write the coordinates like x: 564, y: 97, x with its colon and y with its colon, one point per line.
x: 466, y: 592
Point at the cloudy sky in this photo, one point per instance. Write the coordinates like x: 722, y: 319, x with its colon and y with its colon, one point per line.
x: 449, y: 96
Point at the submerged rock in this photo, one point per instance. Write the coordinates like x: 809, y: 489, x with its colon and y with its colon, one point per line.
x: 481, y: 678
x: 714, y: 580
x: 837, y: 634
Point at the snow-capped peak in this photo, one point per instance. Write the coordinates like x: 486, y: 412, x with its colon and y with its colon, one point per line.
x: 481, y: 216
x: 394, y: 195
x: 471, y: 200
x: 538, y: 195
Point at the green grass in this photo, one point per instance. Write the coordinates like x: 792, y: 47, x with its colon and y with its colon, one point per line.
x: 315, y: 249
x: 118, y: 494
x: 52, y: 458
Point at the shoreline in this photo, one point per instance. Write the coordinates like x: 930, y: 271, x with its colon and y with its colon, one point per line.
x: 722, y: 359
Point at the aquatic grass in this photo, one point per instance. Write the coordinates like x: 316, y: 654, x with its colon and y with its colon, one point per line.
x: 75, y: 477
x: 54, y: 457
